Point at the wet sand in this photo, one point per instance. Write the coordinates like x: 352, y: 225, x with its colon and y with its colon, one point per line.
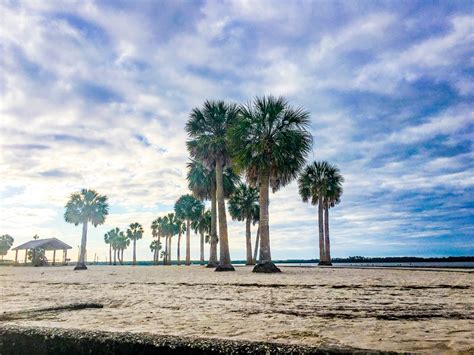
x: 380, y: 309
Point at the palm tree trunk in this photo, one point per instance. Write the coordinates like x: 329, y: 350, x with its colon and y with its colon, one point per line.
x: 265, y: 263
x: 134, y: 251
x: 115, y: 256
x: 248, y: 240
x: 178, y: 256
x: 225, y: 263
x: 110, y: 254
x: 122, y: 255
x: 188, y: 242
x: 257, y: 239
x: 213, y: 242
x: 322, y: 253
x: 202, y: 249
x: 165, y: 258
x: 326, y: 233
x: 81, y: 265
x: 169, y: 249
x: 158, y: 251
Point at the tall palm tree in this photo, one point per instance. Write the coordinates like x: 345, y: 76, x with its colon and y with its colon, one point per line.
x: 243, y: 206
x: 181, y: 228
x: 202, y: 183
x: 188, y: 208
x: 270, y: 142
x: 135, y: 232
x: 333, y: 193
x: 311, y: 184
x: 321, y: 183
x: 208, y: 127
x: 202, y: 226
x: 84, y: 207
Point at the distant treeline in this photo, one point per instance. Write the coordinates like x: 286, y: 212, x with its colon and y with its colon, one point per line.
x: 351, y: 259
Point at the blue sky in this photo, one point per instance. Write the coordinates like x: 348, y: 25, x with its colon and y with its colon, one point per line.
x: 96, y: 94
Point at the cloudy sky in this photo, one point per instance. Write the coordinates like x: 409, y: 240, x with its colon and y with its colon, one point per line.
x: 96, y: 94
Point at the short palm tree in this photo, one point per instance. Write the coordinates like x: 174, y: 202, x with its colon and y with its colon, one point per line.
x: 121, y: 243
x: 108, y: 240
x: 188, y: 208
x: 321, y: 183
x: 207, y: 128
x: 135, y: 232
x: 84, y: 207
x: 202, y: 226
x: 270, y: 142
x: 202, y: 183
x: 243, y: 206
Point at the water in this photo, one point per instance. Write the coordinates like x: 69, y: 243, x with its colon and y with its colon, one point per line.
x: 423, y: 264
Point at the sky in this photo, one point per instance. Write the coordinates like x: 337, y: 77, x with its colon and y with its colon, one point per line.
x: 95, y: 94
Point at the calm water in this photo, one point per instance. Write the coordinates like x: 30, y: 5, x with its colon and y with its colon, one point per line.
x: 427, y: 264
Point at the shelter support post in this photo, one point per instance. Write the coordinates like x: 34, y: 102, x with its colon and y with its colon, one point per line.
x: 26, y: 255
x: 54, y: 256
x: 16, y: 256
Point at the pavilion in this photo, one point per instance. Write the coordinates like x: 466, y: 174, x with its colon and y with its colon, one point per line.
x: 46, y: 244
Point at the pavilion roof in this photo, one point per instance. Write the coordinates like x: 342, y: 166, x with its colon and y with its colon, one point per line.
x: 46, y: 244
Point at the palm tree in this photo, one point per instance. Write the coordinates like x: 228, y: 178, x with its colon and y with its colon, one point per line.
x: 135, y: 232
x: 188, y: 208
x: 243, y: 206
x: 207, y: 128
x: 269, y: 142
x: 122, y: 242
x: 181, y: 228
x: 6, y: 242
x: 202, y: 226
x: 321, y: 183
x: 202, y: 183
x: 155, y: 247
x: 333, y: 193
x: 108, y: 240
x: 84, y: 207
x: 156, y: 233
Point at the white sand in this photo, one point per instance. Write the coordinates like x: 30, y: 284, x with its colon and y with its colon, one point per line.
x: 301, y: 305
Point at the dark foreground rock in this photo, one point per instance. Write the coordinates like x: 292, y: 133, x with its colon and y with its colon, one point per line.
x: 40, y: 341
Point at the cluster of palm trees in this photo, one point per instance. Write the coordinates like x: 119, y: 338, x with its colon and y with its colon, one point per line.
x: 119, y: 241
x: 267, y: 142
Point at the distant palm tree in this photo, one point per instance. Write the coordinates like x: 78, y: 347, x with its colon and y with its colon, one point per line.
x: 188, y: 208
x: 243, y: 206
x: 270, y: 142
x: 6, y: 242
x: 208, y: 128
x: 122, y: 242
x: 202, y: 226
x: 135, y: 232
x: 156, y: 233
x: 84, y: 207
x: 112, y: 237
x: 321, y: 183
x: 155, y: 247
x: 202, y: 183
x: 108, y: 240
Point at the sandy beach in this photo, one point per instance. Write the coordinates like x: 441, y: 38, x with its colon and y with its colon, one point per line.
x: 380, y: 309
